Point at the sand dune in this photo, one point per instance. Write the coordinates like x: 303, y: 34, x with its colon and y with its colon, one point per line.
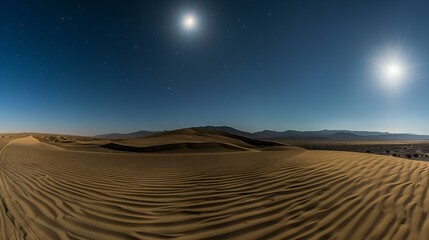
x: 198, y: 135
x: 188, y: 140
x: 51, y: 193
x: 178, y: 147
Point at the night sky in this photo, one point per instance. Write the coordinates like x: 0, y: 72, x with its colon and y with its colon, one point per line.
x: 90, y: 67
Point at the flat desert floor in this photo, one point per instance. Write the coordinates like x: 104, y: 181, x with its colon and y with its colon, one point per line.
x: 51, y: 191
x: 409, y: 149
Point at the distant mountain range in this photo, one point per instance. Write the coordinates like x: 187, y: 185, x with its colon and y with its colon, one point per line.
x: 287, y: 135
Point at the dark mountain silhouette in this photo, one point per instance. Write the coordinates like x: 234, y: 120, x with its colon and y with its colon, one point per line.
x: 277, y: 135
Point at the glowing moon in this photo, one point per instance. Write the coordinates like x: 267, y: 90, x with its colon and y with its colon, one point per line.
x: 394, y: 71
x: 392, y: 68
x: 189, y: 22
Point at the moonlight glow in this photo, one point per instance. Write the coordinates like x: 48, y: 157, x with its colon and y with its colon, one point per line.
x: 394, y: 71
x: 189, y: 22
x: 391, y: 69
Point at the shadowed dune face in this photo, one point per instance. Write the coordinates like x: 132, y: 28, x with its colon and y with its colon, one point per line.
x: 192, y: 139
x: 176, y: 147
x: 50, y: 193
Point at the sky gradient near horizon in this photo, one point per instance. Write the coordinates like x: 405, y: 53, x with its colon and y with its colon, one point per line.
x: 93, y: 67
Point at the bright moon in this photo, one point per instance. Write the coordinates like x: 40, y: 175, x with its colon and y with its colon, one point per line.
x: 394, y: 71
x: 189, y: 22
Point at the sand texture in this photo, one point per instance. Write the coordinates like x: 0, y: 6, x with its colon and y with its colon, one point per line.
x: 49, y: 192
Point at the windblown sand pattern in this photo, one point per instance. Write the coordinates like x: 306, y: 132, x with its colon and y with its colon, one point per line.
x: 51, y: 193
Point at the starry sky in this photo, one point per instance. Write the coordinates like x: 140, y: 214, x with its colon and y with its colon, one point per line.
x: 92, y: 67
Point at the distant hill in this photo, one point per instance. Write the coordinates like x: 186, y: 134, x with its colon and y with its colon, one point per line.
x: 278, y: 135
x: 143, y: 133
x: 193, y: 140
x: 338, y: 135
x: 229, y: 130
x: 139, y: 134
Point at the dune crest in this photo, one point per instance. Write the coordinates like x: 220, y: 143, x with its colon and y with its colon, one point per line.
x: 29, y: 140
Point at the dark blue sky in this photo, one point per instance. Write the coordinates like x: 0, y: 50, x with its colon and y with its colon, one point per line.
x: 89, y: 67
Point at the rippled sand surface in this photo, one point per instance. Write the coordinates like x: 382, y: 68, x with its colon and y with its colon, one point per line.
x: 51, y: 193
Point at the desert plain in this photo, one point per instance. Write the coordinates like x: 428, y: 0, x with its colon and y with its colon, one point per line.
x: 201, y: 184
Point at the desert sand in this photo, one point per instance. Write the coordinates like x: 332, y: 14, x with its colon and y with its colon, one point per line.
x: 51, y: 191
x: 408, y: 149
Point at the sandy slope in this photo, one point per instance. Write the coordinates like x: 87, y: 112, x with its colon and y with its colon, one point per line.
x: 50, y: 193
